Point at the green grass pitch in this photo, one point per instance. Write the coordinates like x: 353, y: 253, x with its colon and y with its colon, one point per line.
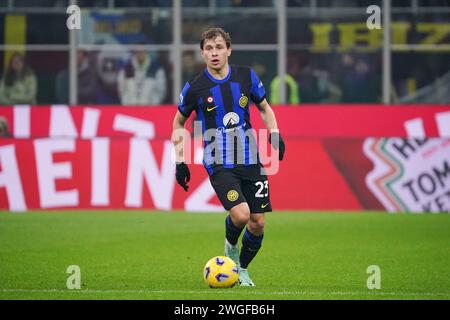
x: 160, y: 255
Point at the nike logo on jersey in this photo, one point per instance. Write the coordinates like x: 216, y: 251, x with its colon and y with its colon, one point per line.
x: 211, y: 108
x: 264, y: 205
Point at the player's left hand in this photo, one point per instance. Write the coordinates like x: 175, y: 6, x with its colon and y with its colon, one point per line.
x: 183, y: 175
x: 277, y: 143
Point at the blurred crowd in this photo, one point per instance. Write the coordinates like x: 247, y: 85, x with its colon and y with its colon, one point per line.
x: 102, y: 78
x: 145, y: 78
x: 116, y: 78
x: 19, y: 83
x: 141, y: 77
x: 347, y: 77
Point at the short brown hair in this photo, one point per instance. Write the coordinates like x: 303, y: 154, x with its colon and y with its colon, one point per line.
x: 212, y: 33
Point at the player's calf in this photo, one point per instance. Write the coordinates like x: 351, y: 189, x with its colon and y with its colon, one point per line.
x: 250, y: 246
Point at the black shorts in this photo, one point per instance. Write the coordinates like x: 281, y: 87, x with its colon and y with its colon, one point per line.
x: 242, y: 184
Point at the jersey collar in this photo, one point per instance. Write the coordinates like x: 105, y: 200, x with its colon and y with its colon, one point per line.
x: 219, y: 80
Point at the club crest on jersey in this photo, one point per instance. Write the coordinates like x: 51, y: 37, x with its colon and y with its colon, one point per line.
x: 232, y: 195
x: 231, y: 119
x: 243, y: 101
x: 210, y: 99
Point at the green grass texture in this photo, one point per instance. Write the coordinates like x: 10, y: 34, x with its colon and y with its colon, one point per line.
x: 160, y: 255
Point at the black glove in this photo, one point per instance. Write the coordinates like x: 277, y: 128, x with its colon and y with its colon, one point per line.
x: 183, y: 175
x: 277, y: 143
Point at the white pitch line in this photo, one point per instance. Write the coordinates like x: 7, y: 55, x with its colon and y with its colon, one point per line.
x: 374, y: 293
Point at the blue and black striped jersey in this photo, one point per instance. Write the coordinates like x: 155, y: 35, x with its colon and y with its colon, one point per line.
x: 222, y: 107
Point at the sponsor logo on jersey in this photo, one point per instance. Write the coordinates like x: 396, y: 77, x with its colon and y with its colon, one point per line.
x: 211, y: 108
x: 243, y: 101
x: 230, y: 119
x: 221, y: 130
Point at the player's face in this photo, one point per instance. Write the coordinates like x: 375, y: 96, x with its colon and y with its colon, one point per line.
x: 215, y: 53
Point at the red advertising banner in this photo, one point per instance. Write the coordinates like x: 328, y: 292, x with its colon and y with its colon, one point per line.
x: 137, y: 173
x: 295, y: 121
x: 337, y: 158
x: 391, y: 174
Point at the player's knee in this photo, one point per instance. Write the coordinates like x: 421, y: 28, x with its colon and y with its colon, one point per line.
x: 240, y: 215
x: 242, y: 219
x: 256, y: 227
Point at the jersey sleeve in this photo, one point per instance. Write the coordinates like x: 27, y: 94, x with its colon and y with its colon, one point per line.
x: 257, y: 92
x: 186, y: 105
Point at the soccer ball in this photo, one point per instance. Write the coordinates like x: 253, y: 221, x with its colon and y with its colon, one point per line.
x: 221, y: 272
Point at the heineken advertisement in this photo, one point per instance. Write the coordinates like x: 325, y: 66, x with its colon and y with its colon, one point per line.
x: 366, y: 157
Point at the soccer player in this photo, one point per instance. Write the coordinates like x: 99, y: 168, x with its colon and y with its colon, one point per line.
x: 220, y: 95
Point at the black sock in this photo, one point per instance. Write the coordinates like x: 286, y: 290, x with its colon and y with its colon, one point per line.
x: 250, y: 247
x: 232, y: 232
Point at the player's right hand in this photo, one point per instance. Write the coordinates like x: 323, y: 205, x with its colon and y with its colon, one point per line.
x: 183, y: 175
